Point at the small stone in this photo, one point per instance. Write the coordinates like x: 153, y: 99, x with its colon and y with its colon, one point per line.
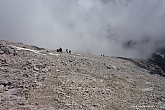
x: 70, y: 61
x: 6, y: 83
x: 21, y: 103
x: 25, y: 75
x: 162, y: 107
x: 35, y: 68
x: 109, y: 67
x: 1, y: 52
x: 1, y: 88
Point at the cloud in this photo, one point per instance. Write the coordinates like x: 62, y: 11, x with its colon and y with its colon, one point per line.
x: 131, y: 28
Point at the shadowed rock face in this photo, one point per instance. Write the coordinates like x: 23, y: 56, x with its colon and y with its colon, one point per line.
x: 37, y: 79
x: 159, y: 56
x: 159, y: 59
x: 153, y: 65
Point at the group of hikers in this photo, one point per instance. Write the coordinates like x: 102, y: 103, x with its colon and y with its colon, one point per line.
x: 60, y: 50
x: 69, y: 51
x: 102, y: 55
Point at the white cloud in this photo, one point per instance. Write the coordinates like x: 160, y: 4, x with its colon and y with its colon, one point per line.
x: 95, y: 26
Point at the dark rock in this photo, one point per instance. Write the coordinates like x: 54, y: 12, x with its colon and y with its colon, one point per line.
x: 158, y: 58
x: 70, y: 61
x: 109, y: 67
x: 151, y: 64
x: 37, y: 48
x: 7, y: 50
x: 25, y: 75
x: 6, y: 83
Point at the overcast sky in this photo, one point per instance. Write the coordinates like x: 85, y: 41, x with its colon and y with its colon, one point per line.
x: 132, y: 28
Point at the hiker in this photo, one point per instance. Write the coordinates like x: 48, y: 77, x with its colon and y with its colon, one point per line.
x: 59, y: 50
x: 102, y: 55
x: 66, y: 50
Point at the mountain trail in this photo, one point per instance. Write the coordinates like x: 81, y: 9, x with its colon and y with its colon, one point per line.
x: 33, y: 78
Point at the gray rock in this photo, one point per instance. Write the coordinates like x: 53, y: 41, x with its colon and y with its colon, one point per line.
x: 162, y: 107
x: 7, y: 50
x: 1, y: 52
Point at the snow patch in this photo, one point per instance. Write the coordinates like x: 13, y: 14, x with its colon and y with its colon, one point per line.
x: 54, y: 54
x: 20, y: 48
x: 148, y: 89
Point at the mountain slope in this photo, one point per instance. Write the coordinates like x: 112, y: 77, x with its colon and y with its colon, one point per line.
x: 159, y: 59
x: 33, y: 78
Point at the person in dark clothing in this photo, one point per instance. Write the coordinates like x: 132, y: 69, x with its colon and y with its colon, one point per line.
x: 59, y: 50
x: 66, y: 50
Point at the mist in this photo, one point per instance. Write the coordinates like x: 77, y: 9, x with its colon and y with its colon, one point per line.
x: 129, y: 28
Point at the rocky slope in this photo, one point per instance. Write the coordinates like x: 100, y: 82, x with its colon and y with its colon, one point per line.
x: 33, y: 78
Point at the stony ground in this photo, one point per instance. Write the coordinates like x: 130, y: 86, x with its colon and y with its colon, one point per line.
x: 33, y: 78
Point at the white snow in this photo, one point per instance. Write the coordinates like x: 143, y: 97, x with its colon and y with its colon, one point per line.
x: 20, y: 48
x: 31, y: 50
x: 148, y: 89
x: 54, y: 54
